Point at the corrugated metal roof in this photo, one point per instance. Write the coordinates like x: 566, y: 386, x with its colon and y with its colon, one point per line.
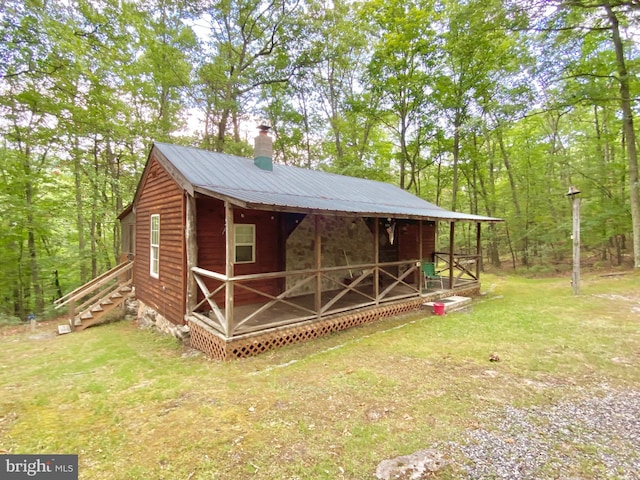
x: 295, y: 189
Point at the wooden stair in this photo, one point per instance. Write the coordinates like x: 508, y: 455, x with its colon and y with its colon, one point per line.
x: 91, y: 303
x: 98, y: 311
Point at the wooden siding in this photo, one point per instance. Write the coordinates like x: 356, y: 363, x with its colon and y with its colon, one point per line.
x: 159, y: 194
x: 407, y: 238
x: 428, y: 240
x: 408, y: 241
x: 212, y: 253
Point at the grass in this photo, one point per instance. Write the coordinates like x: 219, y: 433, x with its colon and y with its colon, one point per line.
x: 137, y: 405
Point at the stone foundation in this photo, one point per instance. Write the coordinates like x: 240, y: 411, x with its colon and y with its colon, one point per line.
x: 149, y: 318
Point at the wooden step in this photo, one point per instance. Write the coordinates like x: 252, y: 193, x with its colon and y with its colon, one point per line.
x: 93, y: 316
x: 62, y: 329
x: 451, y: 304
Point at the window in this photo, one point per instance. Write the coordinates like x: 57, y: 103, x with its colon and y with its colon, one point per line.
x: 245, y: 243
x: 154, y: 253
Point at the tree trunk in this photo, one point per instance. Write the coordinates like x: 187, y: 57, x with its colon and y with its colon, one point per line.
x: 33, y: 254
x: 629, y: 133
x: 521, y: 231
x: 403, y: 152
x: 222, y: 129
x: 82, y: 243
x: 456, y: 157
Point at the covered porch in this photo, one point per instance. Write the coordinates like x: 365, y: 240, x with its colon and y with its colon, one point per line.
x: 329, y: 297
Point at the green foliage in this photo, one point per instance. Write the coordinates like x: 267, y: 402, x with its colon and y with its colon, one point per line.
x: 489, y: 107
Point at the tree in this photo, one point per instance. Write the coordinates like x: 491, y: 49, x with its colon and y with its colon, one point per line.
x: 400, y: 71
x: 588, y: 37
x: 245, y: 50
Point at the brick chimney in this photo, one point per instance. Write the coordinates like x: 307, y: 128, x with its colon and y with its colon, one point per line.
x: 263, y: 152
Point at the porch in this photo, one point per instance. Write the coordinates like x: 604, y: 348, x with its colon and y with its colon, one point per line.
x: 365, y: 293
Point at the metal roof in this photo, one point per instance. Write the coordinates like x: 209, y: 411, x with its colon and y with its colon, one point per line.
x: 287, y: 188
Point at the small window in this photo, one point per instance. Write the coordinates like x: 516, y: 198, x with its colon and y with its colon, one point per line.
x: 154, y: 253
x: 245, y: 243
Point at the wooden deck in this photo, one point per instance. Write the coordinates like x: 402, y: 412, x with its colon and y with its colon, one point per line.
x: 283, y: 324
x: 369, y: 292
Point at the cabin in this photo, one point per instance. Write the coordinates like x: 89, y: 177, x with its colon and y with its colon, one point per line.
x: 249, y: 255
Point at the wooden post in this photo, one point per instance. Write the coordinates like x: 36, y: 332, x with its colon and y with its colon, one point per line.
x: 452, y: 231
x: 318, y: 263
x: 229, y: 268
x: 376, y: 259
x: 478, y: 250
x: 72, y: 314
x: 575, y: 277
x: 420, y: 253
x: 191, y: 238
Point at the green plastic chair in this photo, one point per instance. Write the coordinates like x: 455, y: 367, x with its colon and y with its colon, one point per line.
x: 430, y: 275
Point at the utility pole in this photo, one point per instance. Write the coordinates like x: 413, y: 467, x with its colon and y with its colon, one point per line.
x: 575, y: 202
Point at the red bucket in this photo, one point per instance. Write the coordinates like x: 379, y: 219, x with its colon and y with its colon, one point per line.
x: 438, y: 308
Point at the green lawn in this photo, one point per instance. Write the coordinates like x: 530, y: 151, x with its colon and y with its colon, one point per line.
x: 137, y: 405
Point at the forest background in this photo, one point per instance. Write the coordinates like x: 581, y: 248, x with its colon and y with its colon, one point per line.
x: 492, y: 107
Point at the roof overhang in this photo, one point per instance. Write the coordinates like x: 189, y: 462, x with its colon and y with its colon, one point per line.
x: 296, y: 204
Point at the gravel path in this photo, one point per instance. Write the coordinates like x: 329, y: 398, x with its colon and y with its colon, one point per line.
x: 596, y: 438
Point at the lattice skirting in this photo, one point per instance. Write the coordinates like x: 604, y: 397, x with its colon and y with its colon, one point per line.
x: 216, y: 347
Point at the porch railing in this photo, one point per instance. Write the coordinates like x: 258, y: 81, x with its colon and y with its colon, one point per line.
x: 460, y: 268
x: 365, y: 285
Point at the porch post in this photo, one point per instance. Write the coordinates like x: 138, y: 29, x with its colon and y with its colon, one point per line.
x: 420, y: 253
x: 191, y: 239
x: 478, y: 250
x: 376, y: 259
x: 452, y: 231
x: 229, y: 271
x: 317, y: 244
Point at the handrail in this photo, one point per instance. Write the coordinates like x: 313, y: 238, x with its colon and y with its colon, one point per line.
x: 288, y: 273
x: 93, y: 284
x: 101, y: 294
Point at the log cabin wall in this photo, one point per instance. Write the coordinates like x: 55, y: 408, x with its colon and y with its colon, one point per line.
x: 212, y: 253
x: 159, y: 194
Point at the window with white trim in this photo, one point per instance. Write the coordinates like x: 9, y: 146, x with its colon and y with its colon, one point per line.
x: 154, y: 249
x: 245, y: 243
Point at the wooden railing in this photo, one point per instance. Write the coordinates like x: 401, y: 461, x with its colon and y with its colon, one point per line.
x: 459, y: 269
x: 91, y: 292
x: 365, y: 285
